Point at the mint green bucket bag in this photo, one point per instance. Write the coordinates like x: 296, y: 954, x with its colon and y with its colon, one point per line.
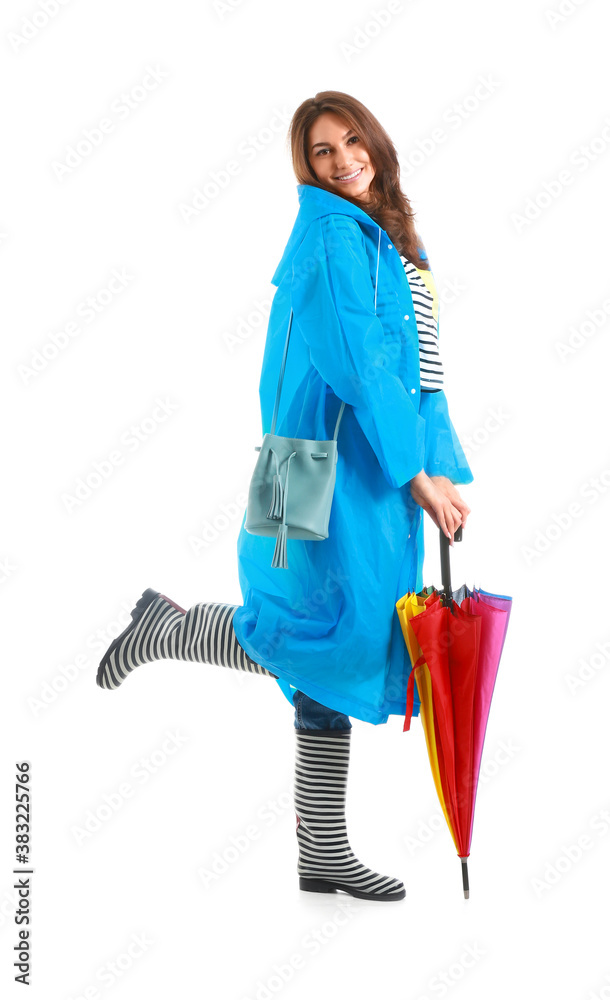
x: 291, y: 489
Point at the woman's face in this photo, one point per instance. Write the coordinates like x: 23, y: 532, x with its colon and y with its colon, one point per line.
x: 338, y: 157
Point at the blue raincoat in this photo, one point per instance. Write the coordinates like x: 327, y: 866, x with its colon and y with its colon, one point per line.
x: 328, y: 624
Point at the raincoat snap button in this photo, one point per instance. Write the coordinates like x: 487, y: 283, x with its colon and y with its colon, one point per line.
x: 412, y: 390
x: 406, y: 316
x: 389, y: 246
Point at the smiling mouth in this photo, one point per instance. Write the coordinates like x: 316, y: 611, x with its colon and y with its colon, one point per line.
x: 350, y: 177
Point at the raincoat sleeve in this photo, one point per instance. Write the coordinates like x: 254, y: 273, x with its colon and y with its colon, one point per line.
x: 444, y: 455
x: 333, y: 299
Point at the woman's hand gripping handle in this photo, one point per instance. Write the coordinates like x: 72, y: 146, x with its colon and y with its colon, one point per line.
x: 440, y: 499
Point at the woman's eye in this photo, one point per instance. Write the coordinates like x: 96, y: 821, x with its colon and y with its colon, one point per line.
x: 353, y: 138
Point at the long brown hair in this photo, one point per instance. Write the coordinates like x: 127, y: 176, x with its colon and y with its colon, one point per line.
x: 388, y: 205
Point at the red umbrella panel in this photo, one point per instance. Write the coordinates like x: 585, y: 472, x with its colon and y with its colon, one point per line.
x: 450, y: 641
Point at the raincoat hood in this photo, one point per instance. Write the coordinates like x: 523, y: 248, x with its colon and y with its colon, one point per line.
x: 315, y: 202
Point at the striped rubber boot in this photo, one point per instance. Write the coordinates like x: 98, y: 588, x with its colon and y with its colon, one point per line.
x: 162, y: 630
x: 326, y: 861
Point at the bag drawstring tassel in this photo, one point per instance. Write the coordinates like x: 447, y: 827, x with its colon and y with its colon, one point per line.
x: 280, y: 558
x: 280, y: 555
x: 276, y: 508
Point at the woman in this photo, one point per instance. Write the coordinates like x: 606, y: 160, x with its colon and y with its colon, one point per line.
x: 364, y: 331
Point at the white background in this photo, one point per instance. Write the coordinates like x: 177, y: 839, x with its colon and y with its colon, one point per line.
x: 517, y: 94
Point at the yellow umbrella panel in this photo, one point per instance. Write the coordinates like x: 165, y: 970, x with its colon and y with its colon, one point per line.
x: 408, y: 606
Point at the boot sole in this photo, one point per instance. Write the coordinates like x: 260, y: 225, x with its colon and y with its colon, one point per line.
x: 148, y: 596
x: 317, y: 885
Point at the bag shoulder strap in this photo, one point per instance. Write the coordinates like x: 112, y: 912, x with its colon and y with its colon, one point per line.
x: 283, y: 368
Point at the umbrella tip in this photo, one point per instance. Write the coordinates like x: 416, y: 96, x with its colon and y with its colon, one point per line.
x: 465, y: 883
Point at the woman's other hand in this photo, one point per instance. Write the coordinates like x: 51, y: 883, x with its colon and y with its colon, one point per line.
x: 440, y: 499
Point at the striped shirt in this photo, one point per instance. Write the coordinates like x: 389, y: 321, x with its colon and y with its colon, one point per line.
x: 425, y: 303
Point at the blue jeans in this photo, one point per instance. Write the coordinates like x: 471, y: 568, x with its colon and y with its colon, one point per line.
x: 310, y: 714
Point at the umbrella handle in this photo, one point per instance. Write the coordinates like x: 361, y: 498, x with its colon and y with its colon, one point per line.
x: 445, y: 565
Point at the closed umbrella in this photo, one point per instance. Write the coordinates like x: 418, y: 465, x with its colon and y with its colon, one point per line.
x: 455, y: 641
